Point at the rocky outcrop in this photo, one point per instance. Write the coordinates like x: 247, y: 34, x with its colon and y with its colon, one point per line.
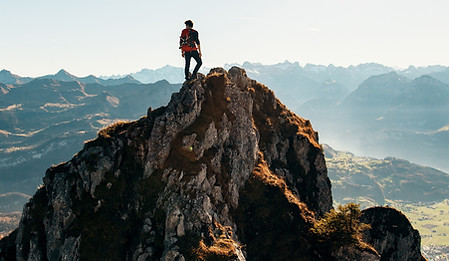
x: 391, y: 234
x: 223, y: 172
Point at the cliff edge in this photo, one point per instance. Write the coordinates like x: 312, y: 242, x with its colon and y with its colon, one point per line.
x: 223, y: 172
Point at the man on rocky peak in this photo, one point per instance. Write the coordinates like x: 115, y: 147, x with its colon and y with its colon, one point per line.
x: 190, y: 47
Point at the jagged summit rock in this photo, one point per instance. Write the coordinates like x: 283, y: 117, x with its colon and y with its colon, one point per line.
x: 224, y: 171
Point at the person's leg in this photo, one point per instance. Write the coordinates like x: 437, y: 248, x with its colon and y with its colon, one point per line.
x: 188, y: 57
x: 199, y: 62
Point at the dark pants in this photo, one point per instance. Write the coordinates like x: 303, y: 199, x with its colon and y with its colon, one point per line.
x: 196, y: 56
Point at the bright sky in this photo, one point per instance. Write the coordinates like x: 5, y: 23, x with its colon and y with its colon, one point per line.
x: 105, y: 37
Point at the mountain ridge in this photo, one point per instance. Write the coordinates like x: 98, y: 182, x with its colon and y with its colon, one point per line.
x: 223, y: 171
x: 389, y: 115
x: 34, y: 126
x: 65, y: 76
x: 354, y: 74
x: 6, y: 77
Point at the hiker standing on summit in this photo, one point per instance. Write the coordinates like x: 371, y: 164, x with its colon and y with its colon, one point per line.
x: 190, y: 47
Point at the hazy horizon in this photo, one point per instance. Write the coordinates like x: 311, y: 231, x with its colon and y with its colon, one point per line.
x: 396, y: 68
x: 113, y: 37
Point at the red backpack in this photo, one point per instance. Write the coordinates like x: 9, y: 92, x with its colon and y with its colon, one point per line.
x: 186, y: 42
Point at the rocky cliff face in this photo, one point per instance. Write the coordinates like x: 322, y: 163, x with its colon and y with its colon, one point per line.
x: 223, y: 172
x: 391, y: 234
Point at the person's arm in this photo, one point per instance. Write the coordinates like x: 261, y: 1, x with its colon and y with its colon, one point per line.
x: 198, y: 43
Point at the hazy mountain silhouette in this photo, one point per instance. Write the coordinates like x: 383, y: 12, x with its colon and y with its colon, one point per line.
x: 441, y: 75
x: 377, y: 91
x: 62, y: 76
x: 168, y: 73
x: 7, y: 77
x: 413, y: 72
x: 390, y: 115
x: 65, y: 76
x: 424, y: 107
x: 44, y: 121
x: 296, y: 84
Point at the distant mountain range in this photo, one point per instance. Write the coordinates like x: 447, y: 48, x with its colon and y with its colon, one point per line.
x: 388, y: 115
x: 280, y: 75
x: 369, y: 109
x: 297, y: 85
x: 45, y: 121
x: 276, y: 75
x: 7, y: 78
x: 168, y: 73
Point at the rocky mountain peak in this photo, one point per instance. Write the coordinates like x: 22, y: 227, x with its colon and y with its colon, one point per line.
x: 7, y: 77
x: 224, y: 171
x: 430, y: 81
x: 63, y: 75
x: 5, y: 72
x: 63, y: 72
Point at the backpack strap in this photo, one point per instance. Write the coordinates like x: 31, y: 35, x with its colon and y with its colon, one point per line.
x: 191, y: 40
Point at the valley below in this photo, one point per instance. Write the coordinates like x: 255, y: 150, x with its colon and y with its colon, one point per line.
x: 368, y: 110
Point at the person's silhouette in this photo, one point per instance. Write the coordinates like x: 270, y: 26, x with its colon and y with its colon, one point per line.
x: 190, y: 47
